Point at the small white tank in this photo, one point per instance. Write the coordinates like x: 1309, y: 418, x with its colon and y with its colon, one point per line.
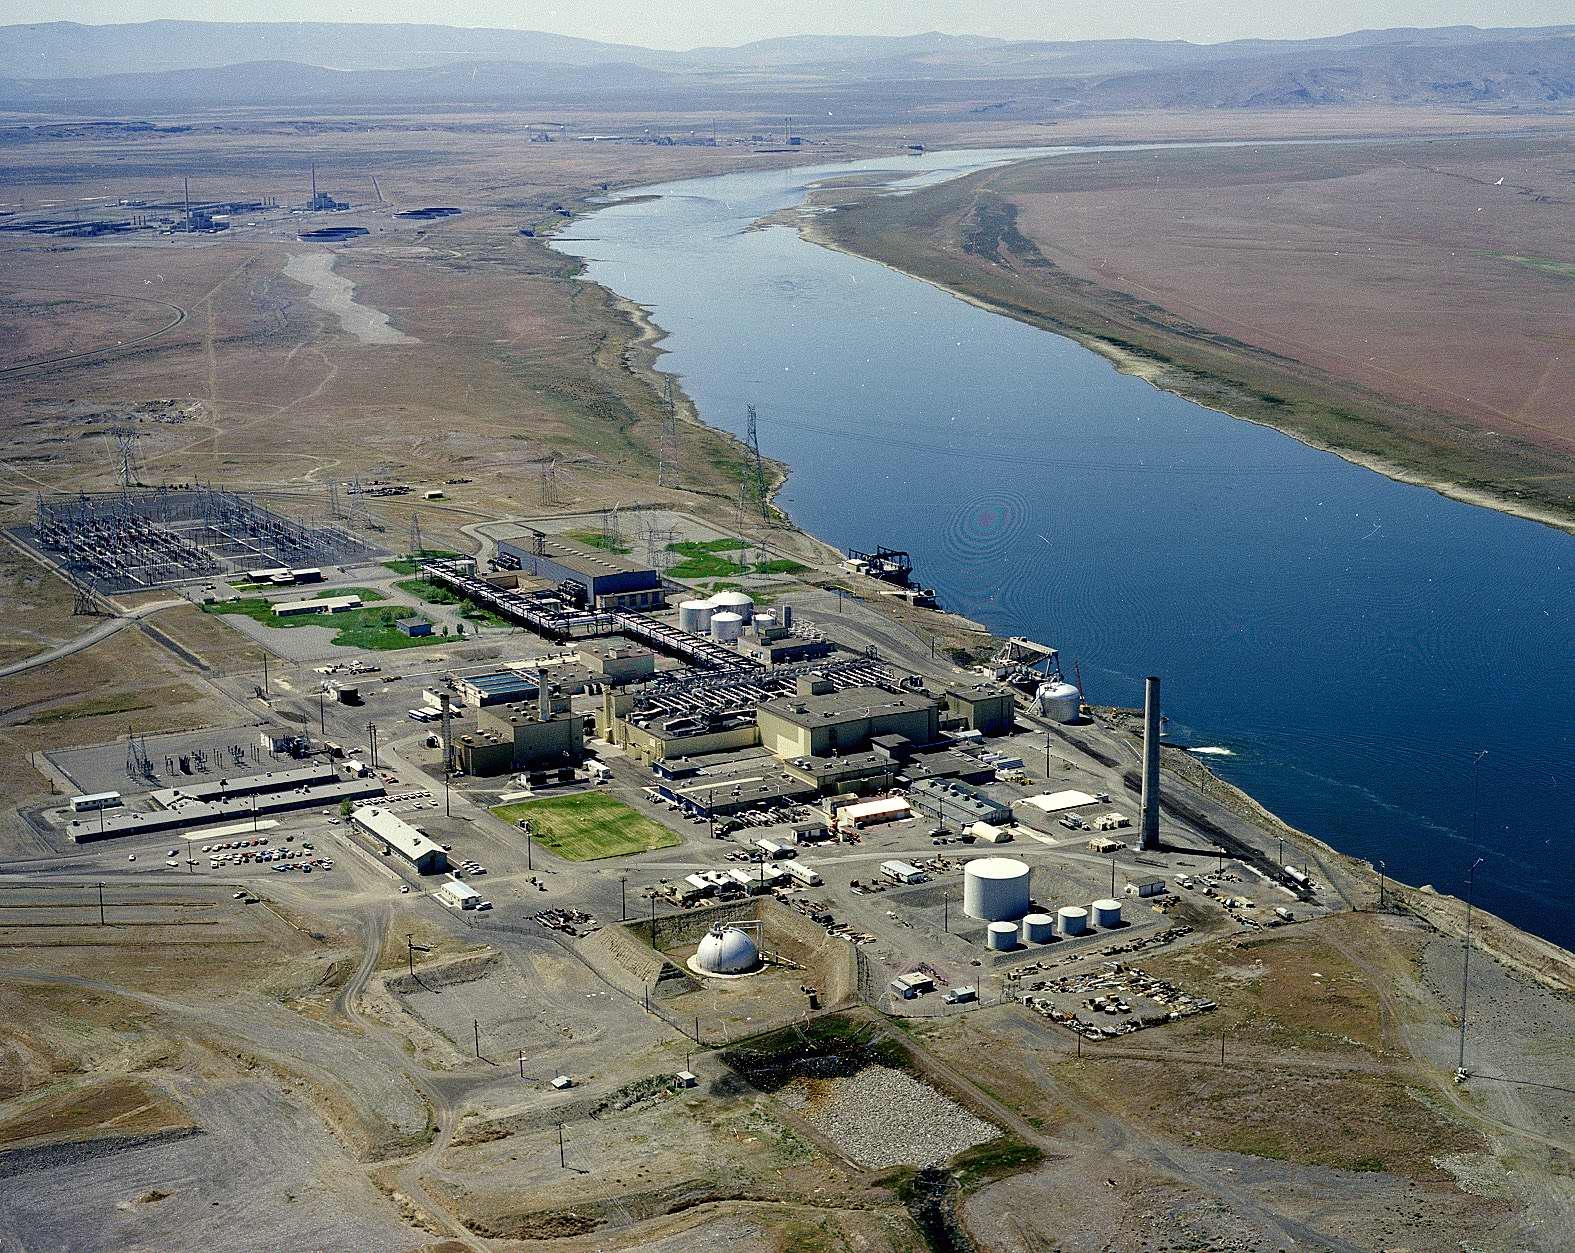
x: 694, y: 616
x: 1073, y: 919
x: 1001, y: 936
x: 1058, y: 700
x: 1107, y: 913
x: 726, y: 627
x: 1038, y: 929
x: 765, y: 620
x: 735, y: 602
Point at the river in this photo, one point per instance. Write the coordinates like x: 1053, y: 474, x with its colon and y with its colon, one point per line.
x: 1351, y: 643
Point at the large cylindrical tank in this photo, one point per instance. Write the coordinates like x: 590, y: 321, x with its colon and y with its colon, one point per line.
x: 734, y: 602
x: 995, y: 889
x: 1107, y: 913
x: 1038, y: 929
x: 694, y: 616
x: 1001, y: 936
x: 1058, y: 700
x: 726, y: 627
x: 1072, y: 919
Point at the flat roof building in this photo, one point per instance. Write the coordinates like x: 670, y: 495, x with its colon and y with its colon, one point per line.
x: 955, y: 801
x: 495, y: 687
x: 844, y: 721
x: 608, y: 580
x: 984, y: 707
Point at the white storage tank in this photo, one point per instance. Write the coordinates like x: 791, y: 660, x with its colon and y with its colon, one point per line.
x: 694, y: 616
x: 1038, y: 929
x: 734, y: 602
x: 995, y: 889
x: 1107, y: 913
x: 726, y: 627
x: 765, y: 620
x: 1072, y: 919
x: 1058, y: 700
x: 1001, y: 936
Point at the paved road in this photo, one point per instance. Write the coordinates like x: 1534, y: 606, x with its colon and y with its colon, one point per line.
x: 89, y: 638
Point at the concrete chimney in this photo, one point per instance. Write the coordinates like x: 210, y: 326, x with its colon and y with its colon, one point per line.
x: 1148, y: 831
x: 543, y: 698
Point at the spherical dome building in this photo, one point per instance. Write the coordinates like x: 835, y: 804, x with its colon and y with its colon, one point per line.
x: 995, y: 889
x: 727, y: 952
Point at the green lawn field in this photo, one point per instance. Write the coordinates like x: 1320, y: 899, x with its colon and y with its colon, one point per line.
x: 588, y: 826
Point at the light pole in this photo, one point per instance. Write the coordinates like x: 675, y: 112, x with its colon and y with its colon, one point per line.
x: 1382, y: 866
x: 623, y: 898
x: 1465, y: 969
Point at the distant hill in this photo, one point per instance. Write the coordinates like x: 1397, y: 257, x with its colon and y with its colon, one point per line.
x: 67, y: 67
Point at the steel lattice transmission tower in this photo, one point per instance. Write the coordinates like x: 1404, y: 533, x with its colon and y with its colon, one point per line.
x: 757, y: 467
x: 417, y: 547
x: 667, y: 455
x: 126, y: 455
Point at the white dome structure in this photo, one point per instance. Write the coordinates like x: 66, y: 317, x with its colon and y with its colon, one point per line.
x: 1059, y: 701
x: 995, y: 889
x: 726, y: 951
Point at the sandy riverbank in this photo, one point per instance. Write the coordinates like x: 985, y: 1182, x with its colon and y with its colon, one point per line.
x: 1166, y: 376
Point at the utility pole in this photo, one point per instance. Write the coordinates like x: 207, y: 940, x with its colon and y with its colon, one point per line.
x: 1465, y: 969
x: 562, y: 1160
x: 1112, y: 876
x: 101, y: 921
x: 1382, y: 866
x: 265, y: 674
x: 623, y: 898
x: 476, y: 1022
x: 322, y: 713
x: 522, y: 1063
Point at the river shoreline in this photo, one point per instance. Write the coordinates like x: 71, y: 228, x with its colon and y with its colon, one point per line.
x: 1538, y: 958
x: 1167, y: 377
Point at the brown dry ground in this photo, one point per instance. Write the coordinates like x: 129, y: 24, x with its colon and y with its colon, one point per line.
x: 1333, y: 1117
x: 1391, y: 300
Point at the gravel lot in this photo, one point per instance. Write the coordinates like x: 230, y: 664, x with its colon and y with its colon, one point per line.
x: 882, y: 1117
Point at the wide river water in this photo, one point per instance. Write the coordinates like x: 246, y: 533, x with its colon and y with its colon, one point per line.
x: 1353, y: 643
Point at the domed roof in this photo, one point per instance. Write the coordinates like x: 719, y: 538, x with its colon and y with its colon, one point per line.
x: 726, y: 951
x: 731, y: 600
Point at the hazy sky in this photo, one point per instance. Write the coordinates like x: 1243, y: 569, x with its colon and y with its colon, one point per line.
x: 689, y: 23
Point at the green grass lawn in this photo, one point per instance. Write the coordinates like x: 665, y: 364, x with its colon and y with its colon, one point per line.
x: 595, y: 539
x: 588, y: 826
x: 369, y: 627
x: 410, y: 564
x: 780, y: 565
x: 428, y: 591
x: 703, y: 559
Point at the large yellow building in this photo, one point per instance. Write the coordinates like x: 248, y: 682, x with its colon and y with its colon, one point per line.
x: 844, y: 721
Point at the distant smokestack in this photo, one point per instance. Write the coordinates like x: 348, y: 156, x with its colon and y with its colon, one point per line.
x: 1148, y: 831
x: 314, y: 185
x: 188, y: 202
x: 543, y: 697
x: 448, y: 733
